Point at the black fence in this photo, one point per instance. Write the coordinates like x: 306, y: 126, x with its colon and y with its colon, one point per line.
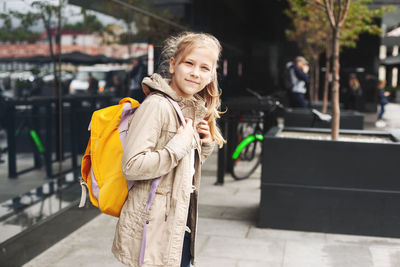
x: 32, y: 126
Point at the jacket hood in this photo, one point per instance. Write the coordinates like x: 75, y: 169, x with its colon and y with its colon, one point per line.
x: 157, y: 83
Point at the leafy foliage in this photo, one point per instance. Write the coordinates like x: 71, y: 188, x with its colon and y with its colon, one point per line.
x: 311, y: 26
x: 90, y: 24
x: 22, y: 33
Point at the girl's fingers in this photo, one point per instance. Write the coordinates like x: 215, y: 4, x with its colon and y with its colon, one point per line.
x: 203, y: 131
x: 203, y: 128
x: 180, y: 129
x: 203, y: 124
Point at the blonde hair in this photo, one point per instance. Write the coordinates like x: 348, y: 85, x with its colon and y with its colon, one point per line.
x: 178, y: 47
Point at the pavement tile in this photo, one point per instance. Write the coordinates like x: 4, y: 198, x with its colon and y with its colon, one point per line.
x: 213, y: 227
x: 317, y: 254
x: 233, y: 193
x: 215, y: 262
x: 284, y: 235
x: 248, y: 214
x: 384, y: 256
x: 363, y: 240
x: 243, y: 249
x: 88, y: 246
x: 201, y: 242
x: 258, y: 264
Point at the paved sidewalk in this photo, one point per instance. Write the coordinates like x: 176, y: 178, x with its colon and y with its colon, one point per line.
x: 391, y: 117
x: 228, y: 237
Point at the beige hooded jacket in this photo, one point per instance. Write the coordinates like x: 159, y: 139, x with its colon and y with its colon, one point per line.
x: 154, y: 149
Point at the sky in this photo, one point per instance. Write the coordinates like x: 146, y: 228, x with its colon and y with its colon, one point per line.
x: 72, y: 13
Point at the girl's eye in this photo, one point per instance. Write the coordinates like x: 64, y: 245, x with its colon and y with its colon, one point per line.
x: 205, y: 68
x: 188, y: 63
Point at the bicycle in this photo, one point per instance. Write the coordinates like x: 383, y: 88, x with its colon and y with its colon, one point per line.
x: 25, y: 124
x: 251, y: 129
x: 248, y: 153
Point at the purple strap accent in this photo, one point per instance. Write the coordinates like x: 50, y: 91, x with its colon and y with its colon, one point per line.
x: 95, y: 185
x: 178, y: 110
x: 153, y: 188
x: 127, y: 111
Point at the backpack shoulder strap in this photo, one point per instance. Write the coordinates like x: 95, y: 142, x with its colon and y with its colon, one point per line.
x: 177, y: 109
x: 174, y: 104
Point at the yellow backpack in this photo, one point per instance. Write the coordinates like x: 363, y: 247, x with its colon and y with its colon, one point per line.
x: 101, y: 163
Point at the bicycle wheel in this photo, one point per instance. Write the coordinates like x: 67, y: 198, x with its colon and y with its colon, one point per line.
x: 247, y: 157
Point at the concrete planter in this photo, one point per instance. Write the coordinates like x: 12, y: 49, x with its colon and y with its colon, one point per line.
x: 304, y: 118
x: 330, y: 186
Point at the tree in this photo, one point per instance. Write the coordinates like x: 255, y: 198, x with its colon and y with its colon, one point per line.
x: 347, y: 19
x: 336, y: 11
x: 341, y: 22
x: 50, y: 15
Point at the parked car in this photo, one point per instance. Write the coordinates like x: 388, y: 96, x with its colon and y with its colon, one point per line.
x: 105, y: 75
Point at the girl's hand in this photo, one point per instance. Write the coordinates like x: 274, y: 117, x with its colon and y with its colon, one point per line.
x: 187, y: 131
x: 204, y: 131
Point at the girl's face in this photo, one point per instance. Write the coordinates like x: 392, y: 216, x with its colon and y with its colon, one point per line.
x: 193, y: 72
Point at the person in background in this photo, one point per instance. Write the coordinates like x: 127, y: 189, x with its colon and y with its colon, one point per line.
x: 299, y: 79
x: 116, y: 87
x: 93, y: 84
x: 382, y: 100
x: 354, y: 94
x: 136, y: 76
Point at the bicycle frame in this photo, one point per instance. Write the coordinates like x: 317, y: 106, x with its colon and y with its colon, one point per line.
x: 244, y: 143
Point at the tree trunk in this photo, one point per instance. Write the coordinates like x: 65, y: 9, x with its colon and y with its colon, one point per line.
x: 328, y: 54
x: 336, y: 85
x: 316, y: 79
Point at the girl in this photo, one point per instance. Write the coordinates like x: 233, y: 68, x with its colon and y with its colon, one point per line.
x: 158, y: 145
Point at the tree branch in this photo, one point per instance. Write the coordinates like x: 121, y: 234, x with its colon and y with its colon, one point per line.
x: 339, y: 15
x: 329, y: 12
x: 345, y: 12
x: 316, y: 3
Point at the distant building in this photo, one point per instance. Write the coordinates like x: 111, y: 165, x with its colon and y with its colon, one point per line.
x: 71, y: 37
x: 390, y: 41
x: 71, y: 41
